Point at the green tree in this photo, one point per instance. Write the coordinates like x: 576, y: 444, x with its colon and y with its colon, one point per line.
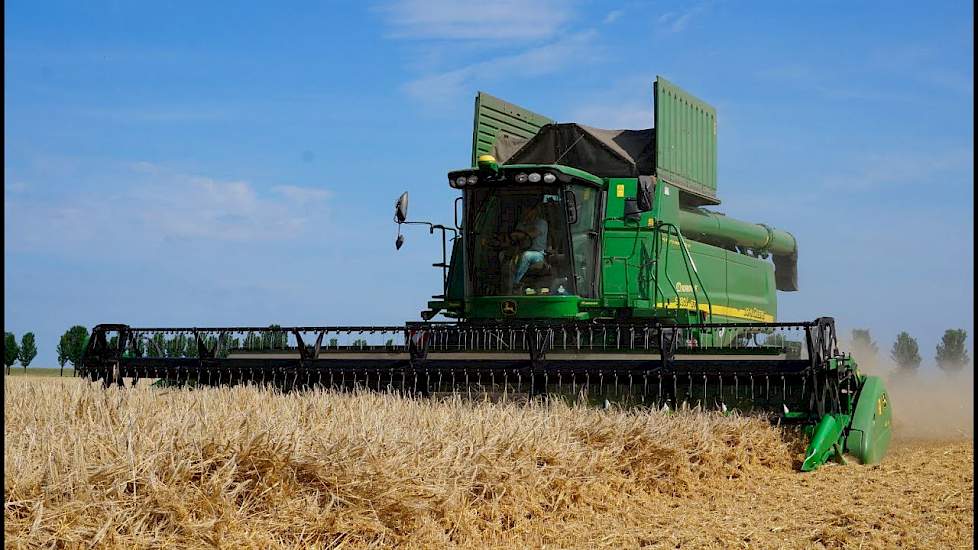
x: 28, y: 350
x: 274, y: 339
x: 863, y: 346
x: 156, y: 345
x: 176, y: 346
x: 62, y: 350
x: 906, y: 352
x: 951, y: 355
x: 252, y: 342
x: 75, y: 339
x: 138, y: 346
x: 229, y: 345
x: 10, y: 350
x: 190, y: 349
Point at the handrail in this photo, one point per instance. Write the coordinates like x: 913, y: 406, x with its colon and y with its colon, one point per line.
x: 669, y: 230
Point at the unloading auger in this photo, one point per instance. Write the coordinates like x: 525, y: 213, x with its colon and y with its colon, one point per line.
x: 584, y: 264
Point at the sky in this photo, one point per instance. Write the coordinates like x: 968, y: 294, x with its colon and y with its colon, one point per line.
x: 185, y: 163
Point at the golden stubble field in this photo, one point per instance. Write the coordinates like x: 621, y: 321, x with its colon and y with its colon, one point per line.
x: 245, y: 468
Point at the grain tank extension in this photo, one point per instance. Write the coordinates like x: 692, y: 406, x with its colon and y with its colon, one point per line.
x: 584, y: 263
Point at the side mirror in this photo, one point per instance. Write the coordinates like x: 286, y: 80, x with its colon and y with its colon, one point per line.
x: 457, y: 226
x: 400, y: 208
x: 646, y: 190
x: 570, y: 202
x: 399, y: 242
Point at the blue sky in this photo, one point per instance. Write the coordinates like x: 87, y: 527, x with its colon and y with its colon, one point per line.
x: 237, y: 163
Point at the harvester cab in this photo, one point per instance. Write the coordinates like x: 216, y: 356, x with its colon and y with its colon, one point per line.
x: 584, y: 263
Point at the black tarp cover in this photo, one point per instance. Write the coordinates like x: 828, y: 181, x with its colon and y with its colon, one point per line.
x: 604, y: 153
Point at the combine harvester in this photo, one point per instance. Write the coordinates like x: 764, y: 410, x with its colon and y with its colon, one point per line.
x: 582, y: 262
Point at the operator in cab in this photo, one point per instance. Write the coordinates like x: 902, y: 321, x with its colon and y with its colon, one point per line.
x: 531, y: 233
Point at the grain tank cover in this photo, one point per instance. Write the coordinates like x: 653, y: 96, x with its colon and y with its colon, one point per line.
x: 681, y: 149
x: 604, y: 153
x: 686, y: 141
x: 499, y: 122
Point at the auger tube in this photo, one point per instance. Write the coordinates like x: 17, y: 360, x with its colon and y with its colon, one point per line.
x: 700, y: 224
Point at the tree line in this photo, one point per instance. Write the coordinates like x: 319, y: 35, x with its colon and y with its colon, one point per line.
x: 951, y: 355
x: 71, y: 346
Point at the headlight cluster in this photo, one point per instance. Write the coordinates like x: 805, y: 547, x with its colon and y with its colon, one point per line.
x: 535, y: 177
x: 463, y: 181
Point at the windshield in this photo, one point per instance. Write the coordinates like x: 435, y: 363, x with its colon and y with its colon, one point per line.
x: 584, y: 237
x: 521, y: 241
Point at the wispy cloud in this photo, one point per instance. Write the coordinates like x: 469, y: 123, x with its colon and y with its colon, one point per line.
x: 904, y: 169
x: 630, y: 116
x: 302, y: 194
x: 461, y: 20
x: 924, y: 64
x: 613, y: 16
x: 154, y: 204
x: 677, y: 21
x: 622, y: 103
x: 827, y: 83
x: 572, y: 50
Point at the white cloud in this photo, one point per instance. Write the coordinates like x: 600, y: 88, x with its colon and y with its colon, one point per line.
x: 631, y: 116
x: 302, y: 194
x: 152, y: 204
x: 902, y: 169
x: 828, y: 83
x: 461, y: 20
x: 613, y: 16
x: 569, y: 51
x: 678, y: 21
x: 144, y: 167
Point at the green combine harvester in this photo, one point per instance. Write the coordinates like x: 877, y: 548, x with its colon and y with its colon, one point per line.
x: 582, y: 263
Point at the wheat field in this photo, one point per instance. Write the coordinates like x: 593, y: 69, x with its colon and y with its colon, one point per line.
x: 249, y: 468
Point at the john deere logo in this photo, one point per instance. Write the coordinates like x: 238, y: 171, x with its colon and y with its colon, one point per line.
x: 509, y: 307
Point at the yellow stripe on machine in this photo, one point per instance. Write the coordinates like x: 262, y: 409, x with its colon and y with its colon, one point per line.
x: 751, y: 314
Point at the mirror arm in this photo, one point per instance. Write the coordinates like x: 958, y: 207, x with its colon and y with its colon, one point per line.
x: 444, y: 248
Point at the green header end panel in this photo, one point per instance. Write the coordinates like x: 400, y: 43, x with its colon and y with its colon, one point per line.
x: 685, y: 141
x: 495, y: 117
